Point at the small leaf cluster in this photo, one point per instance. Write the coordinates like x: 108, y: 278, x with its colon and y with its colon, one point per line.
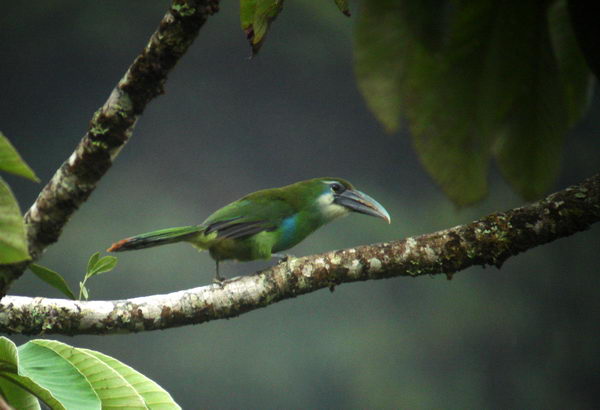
x: 66, y: 377
x: 96, y: 265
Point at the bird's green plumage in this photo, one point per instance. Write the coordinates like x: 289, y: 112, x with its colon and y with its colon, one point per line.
x: 264, y: 222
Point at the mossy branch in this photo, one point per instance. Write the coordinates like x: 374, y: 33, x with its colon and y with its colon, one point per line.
x: 110, y: 129
x: 488, y: 241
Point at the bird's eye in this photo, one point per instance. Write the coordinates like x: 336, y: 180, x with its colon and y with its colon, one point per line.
x: 337, y: 188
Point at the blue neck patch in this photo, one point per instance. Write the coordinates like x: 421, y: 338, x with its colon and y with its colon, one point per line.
x: 288, y: 231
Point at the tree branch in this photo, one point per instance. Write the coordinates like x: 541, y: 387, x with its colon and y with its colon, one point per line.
x: 487, y: 241
x: 110, y: 129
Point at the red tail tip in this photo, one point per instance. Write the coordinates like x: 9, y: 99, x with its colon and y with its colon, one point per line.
x: 117, y: 245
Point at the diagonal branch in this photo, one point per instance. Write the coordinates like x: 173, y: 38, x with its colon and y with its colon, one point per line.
x: 110, y: 129
x: 487, y: 241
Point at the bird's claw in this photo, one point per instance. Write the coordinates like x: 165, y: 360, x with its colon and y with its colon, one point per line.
x: 284, y: 257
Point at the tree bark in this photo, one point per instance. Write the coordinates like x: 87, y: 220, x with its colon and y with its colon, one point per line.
x: 487, y: 241
x: 110, y: 129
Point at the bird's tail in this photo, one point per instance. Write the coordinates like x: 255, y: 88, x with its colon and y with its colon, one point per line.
x: 156, y: 238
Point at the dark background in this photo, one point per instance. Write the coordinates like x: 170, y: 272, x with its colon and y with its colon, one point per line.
x: 525, y: 336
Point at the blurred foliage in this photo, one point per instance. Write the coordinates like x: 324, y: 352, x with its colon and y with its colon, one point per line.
x: 476, y: 79
x: 13, y: 243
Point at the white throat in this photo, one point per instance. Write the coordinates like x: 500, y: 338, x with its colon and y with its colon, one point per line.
x: 329, y: 209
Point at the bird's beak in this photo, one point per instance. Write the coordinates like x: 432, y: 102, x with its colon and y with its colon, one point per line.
x: 360, y: 202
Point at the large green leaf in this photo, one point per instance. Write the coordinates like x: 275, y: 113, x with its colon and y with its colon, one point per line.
x: 113, y: 389
x: 11, y: 161
x: 68, y: 387
x: 154, y: 396
x: 66, y: 377
x: 13, y: 243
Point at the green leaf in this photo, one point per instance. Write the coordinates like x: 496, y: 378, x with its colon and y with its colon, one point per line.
x: 105, y: 264
x: 65, y: 385
x: 83, y: 291
x: 343, y: 6
x: 576, y: 78
x: 13, y: 241
x: 256, y: 16
x: 92, y: 262
x: 111, y: 387
x: 11, y: 161
x: 52, y: 278
x: 154, y: 396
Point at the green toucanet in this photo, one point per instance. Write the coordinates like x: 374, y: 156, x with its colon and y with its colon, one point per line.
x: 265, y: 222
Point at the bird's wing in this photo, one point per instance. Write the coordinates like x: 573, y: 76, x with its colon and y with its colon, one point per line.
x: 248, y: 216
x: 233, y: 229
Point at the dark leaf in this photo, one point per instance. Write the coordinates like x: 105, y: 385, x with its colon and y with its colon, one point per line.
x: 523, y: 105
x: 576, y: 77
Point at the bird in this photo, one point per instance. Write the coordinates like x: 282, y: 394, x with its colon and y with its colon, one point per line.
x: 262, y: 224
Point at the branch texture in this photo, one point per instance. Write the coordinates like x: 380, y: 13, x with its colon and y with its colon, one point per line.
x: 487, y: 241
x: 110, y: 129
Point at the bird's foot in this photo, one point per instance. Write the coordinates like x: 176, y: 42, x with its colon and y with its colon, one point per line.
x: 219, y: 281
x: 283, y: 257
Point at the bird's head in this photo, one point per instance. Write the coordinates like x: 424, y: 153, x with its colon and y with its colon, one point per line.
x: 337, y: 197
